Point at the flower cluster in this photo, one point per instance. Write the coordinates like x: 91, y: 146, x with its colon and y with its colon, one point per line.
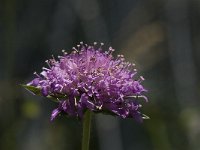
x: 89, y: 78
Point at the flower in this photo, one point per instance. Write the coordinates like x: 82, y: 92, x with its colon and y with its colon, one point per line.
x: 89, y: 78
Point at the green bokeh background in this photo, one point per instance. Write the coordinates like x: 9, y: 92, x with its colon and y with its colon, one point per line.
x: 160, y: 36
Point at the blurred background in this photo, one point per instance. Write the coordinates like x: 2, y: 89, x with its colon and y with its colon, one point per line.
x: 161, y: 36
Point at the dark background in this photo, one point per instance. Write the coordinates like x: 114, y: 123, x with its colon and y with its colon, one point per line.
x: 161, y: 36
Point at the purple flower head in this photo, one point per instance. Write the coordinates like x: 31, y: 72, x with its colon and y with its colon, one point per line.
x: 89, y: 78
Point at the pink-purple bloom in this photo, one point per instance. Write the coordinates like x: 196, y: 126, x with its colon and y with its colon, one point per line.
x: 90, y: 78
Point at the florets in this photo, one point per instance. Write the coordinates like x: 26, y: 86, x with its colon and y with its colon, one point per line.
x: 89, y: 78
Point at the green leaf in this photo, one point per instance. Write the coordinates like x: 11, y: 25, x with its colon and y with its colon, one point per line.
x: 54, y: 99
x: 32, y: 89
x: 37, y: 91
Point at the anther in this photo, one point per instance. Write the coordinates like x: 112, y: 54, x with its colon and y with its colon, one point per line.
x: 45, y: 69
x: 53, y: 57
x: 75, y: 101
x: 75, y: 49
x: 35, y: 73
x: 142, y: 78
x: 47, y: 61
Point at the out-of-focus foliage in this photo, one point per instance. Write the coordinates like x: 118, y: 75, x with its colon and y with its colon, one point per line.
x: 160, y: 36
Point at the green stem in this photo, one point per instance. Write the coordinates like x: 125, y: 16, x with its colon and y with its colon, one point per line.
x: 86, y: 130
